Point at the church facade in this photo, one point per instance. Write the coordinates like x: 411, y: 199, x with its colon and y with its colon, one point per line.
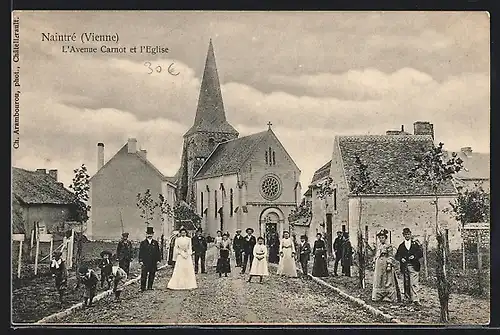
x: 235, y: 182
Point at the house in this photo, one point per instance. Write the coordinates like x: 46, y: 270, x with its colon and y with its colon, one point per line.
x: 398, y: 201
x: 476, y: 170
x: 235, y: 182
x: 39, y: 198
x: 114, y: 189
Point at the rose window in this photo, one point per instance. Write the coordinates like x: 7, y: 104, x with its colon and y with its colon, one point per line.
x: 271, y: 188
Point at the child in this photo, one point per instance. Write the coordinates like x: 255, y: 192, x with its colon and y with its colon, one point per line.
x: 259, y: 264
x: 89, y: 279
x: 105, y: 266
x: 59, y: 272
x: 119, y: 276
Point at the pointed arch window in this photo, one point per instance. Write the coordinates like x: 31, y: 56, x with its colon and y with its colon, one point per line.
x: 215, y: 202
x: 231, y: 204
x: 211, y: 143
x: 334, y: 199
x: 201, y: 203
x: 267, y: 161
x: 274, y: 158
x: 270, y: 156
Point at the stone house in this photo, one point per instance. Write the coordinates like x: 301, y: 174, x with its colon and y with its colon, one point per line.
x: 398, y: 201
x: 39, y: 198
x: 113, y: 193
x: 476, y: 170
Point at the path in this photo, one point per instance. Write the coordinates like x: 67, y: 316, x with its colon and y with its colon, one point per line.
x: 226, y: 300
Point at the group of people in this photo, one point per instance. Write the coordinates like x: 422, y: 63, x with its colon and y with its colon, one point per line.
x: 250, y: 252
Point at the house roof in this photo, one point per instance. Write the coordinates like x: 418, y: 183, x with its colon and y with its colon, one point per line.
x: 210, y: 114
x: 228, y: 157
x: 124, y: 150
x: 322, y: 172
x: 31, y: 187
x: 389, y: 158
x: 17, y: 217
x: 476, y: 165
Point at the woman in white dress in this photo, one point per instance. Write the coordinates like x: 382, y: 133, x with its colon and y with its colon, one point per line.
x: 183, y: 277
x: 286, y: 266
x: 217, y: 242
x: 259, y: 264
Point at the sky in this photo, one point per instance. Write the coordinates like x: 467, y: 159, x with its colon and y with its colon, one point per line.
x: 313, y: 75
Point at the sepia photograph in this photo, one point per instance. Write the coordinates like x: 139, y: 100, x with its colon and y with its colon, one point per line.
x: 250, y: 168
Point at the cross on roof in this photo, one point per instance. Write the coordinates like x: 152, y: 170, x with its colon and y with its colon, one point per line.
x: 269, y: 124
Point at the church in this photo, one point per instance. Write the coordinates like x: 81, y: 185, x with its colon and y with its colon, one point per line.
x: 235, y: 182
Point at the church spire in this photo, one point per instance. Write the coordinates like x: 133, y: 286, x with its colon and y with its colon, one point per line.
x: 210, y: 114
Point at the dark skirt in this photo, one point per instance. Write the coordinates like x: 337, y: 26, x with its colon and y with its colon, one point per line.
x: 320, y: 267
x: 223, y: 265
x: 274, y: 255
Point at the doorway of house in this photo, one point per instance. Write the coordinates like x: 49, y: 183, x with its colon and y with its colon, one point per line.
x: 271, y: 229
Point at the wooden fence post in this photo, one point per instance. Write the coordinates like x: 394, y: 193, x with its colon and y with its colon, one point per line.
x: 36, y: 255
x: 463, y: 255
x: 32, y: 240
x: 20, y: 259
x: 479, y: 262
x: 425, y: 245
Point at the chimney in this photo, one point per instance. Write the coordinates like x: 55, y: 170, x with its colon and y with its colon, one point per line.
x: 467, y: 151
x: 144, y: 153
x: 53, y: 174
x: 44, y: 171
x: 100, y: 155
x: 423, y: 128
x: 132, y: 145
x: 402, y: 128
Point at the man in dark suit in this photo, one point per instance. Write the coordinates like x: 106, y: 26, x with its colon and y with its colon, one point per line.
x: 409, y: 254
x: 238, y: 242
x: 304, y: 254
x: 248, y: 243
x: 149, y: 256
x: 199, y: 245
x: 124, y: 253
x: 337, y: 249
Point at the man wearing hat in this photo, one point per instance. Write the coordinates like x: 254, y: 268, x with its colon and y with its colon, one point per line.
x: 199, y: 246
x: 105, y: 265
x: 124, y: 253
x: 149, y: 256
x: 337, y: 249
x: 238, y: 247
x: 248, y: 243
x: 409, y: 254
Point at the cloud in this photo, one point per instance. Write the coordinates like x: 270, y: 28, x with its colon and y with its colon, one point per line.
x: 312, y: 76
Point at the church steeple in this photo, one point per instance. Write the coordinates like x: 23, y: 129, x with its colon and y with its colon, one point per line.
x: 210, y: 114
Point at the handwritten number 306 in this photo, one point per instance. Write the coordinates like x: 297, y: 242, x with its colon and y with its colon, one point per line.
x: 158, y: 69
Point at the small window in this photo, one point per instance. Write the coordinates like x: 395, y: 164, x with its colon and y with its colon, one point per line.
x: 215, y: 200
x: 267, y: 161
x: 211, y: 143
x: 274, y: 158
x: 270, y: 155
x: 231, y: 202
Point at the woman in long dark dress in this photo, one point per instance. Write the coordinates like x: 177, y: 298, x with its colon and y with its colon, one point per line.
x: 320, y: 266
x: 223, y: 263
x: 274, y: 248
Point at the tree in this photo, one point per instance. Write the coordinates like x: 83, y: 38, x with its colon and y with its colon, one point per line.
x: 360, y: 183
x: 471, y: 206
x: 433, y: 170
x: 147, y: 206
x: 185, y: 212
x: 81, y: 188
x: 164, y: 210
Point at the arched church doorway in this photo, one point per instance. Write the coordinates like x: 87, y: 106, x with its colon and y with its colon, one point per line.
x: 271, y: 221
